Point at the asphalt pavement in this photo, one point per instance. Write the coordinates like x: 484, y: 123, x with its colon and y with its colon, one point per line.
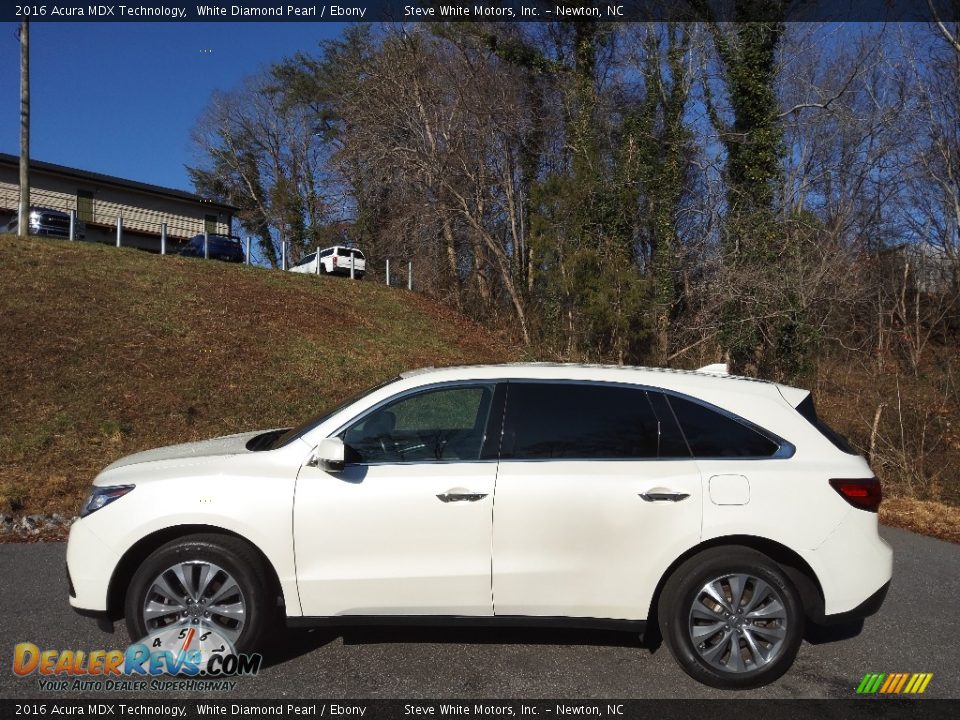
x: 915, y: 631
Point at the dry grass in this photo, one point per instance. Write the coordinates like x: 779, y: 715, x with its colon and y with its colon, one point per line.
x: 925, y: 517
x: 104, y: 352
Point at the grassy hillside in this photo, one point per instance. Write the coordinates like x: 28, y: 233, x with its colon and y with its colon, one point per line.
x: 104, y: 352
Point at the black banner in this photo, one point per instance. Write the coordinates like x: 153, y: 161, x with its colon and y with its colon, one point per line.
x: 532, y: 709
x: 484, y: 11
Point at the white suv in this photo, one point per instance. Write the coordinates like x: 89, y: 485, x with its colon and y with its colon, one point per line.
x: 334, y: 260
x: 716, y: 510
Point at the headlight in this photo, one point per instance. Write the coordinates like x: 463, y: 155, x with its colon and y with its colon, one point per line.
x: 103, y: 496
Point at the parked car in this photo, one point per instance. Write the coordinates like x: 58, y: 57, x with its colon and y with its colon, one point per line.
x: 333, y: 261
x: 719, y: 510
x: 46, y: 221
x: 219, y: 247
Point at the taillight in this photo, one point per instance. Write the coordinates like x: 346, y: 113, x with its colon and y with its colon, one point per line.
x: 863, y: 494
x: 334, y: 260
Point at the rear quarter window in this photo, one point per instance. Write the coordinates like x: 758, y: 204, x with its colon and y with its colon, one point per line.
x: 713, y: 434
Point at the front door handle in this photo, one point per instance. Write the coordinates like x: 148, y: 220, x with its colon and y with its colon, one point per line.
x: 664, y: 496
x: 458, y: 496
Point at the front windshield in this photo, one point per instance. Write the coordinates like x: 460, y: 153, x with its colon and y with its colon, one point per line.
x: 303, y: 428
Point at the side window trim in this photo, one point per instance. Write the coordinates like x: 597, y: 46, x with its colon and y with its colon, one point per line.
x: 785, y: 449
x: 496, y: 418
x: 448, y: 385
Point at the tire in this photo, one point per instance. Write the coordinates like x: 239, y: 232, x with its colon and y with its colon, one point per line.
x: 228, y: 558
x: 702, y: 635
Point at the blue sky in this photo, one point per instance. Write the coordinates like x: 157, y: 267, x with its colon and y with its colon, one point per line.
x: 122, y: 98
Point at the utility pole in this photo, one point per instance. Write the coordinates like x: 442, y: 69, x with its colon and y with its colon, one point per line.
x: 23, y: 214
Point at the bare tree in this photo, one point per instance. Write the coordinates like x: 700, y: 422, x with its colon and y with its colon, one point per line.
x: 263, y: 153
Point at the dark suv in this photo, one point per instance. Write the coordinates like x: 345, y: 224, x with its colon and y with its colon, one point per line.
x: 219, y: 247
x: 46, y: 221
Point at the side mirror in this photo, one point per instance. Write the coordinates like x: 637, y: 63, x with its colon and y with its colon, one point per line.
x: 329, y: 455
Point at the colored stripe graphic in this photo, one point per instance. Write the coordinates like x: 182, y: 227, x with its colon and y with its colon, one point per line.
x: 894, y: 683
x: 903, y: 680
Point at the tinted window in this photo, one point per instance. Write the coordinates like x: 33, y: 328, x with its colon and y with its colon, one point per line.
x: 326, y: 253
x: 443, y: 424
x: 587, y: 421
x: 307, y: 260
x: 713, y: 434
x: 807, y: 409
x: 343, y: 252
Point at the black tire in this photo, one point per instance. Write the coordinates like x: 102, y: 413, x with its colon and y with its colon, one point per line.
x: 231, y: 554
x: 708, y: 661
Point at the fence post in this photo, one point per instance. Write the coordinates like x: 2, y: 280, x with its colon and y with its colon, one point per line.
x: 410, y: 275
x: 163, y: 238
x: 119, y: 229
x: 248, y: 249
x: 318, y: 259
x: 73, y: 224
x: 352, y: 256
x: 206, y: 245
x: 283, y: 255
x: 388, y: 272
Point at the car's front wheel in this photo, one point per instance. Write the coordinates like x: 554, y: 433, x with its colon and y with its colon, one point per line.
x: 731, y: 618
x: 212, y: 583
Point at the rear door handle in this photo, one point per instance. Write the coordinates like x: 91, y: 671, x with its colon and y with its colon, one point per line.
x: 457, y: 496
x: 664, y: 496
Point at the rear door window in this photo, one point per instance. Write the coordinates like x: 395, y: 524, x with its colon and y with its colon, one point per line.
x: 585, y: 421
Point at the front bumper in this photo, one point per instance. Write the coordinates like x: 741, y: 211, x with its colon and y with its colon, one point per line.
x: 90, y: 565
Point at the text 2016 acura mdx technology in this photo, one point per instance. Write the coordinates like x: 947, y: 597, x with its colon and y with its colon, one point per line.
x: 718, y: 510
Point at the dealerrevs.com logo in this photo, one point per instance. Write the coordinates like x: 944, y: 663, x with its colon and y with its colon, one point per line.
x: 184, y: 659
x: 894, y: 683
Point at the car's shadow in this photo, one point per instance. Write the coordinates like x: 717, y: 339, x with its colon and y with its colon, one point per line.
x: 289, y: 644
x: 823, y: 634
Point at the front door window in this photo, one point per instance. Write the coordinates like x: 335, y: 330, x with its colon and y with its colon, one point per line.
x: 444, y: 424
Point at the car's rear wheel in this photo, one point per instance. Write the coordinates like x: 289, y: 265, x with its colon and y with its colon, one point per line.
x: 206, y: 582
x: 731, y: 618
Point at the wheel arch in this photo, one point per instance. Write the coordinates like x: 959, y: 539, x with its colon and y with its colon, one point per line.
x: 140, y: 550
x: 797, y: 569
